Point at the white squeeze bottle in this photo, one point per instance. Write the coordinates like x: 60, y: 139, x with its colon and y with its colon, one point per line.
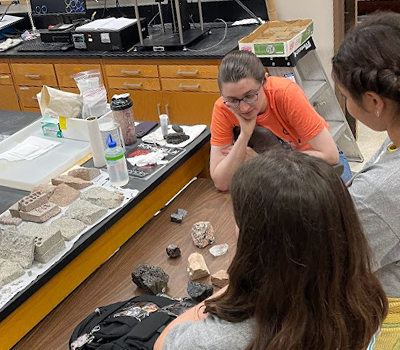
x: 116, y: 163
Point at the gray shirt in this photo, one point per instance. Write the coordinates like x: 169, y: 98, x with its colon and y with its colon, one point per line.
x: 210, y: 334
x: 376, y: 195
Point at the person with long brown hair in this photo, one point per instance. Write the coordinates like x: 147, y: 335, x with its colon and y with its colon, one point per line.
x: 300, y: 278
x: 367, y: 71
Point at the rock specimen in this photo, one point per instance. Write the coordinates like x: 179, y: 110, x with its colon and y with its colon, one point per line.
x: 86, y: 174
x: 71, y: 181
x: 197, y: 267
x: 69, y: 227
x: 9, y: 271
x: 85, y: 211
x: 41, y: 214
x: 32, y: 201
x: 177, y: 128
x: 14, y: 210
x: 103, y: 197
x: 202, y: 234
x: 199, y: 291
x: 48, y: 189
x: 18, y: 248
x: 64, y: 195
x: 176, y: 138
x: 9, y: 220
x: 220, y: 279
x: 219, y: 250
x: 178, y: 215
x: 173, y: 250
x: 150, y: 278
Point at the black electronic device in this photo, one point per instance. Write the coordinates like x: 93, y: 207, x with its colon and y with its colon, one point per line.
x: 44, y: 7
x: 39, y: 46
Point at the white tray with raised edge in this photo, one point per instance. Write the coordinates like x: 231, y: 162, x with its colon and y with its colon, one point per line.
x: 26, y: 174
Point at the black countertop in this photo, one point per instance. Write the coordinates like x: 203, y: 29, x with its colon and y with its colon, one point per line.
x: 214, y: 44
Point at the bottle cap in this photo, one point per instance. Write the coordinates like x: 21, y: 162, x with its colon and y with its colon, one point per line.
x: 110, y: 142
x: 121, y: 102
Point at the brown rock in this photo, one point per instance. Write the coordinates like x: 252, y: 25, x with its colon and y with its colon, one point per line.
x: 14, y: 210
x: 197, y: 267
x: 220, y: 279
x: 32, y: 201
x: 48, y: 189
x: 71, y: 181
x: 202, y: 234
x: 86, y: 174
x: 41, y: 214
x: 64, y: 195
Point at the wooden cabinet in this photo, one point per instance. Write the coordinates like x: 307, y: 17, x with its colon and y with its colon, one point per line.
x: 65, y: 72
x: 34, y: 74
x: 9, y: 98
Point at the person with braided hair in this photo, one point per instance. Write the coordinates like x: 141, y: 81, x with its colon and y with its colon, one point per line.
x: 367, y: 71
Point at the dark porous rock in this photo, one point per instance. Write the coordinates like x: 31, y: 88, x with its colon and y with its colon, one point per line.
x: 176, y: 218
x: 177, y: 128
x: 176, y: 138
x: 173, y: 250
x: 199, y: 291
x: 182, y: 212
x: 150, y: 278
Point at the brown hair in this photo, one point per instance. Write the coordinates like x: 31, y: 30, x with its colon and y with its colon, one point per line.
x: 369, y: 57
x: 301, y: 268
x: 238, y: 65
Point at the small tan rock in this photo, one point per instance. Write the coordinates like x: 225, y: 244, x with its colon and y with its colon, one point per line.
x: 220, y: 279
x: 64, y: 195
x: 197, y: 267
x: 86, y: 174
x: 32, y: 201
x: 41, y: 214
x: 48, y: 189
x: 14, y: 210
x: 9, y: 220
x: 71, y: 181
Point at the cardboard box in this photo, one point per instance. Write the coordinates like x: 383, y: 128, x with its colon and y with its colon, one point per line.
x: 277, y: 38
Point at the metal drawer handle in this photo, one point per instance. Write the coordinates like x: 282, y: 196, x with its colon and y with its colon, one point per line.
x: 183, y: 86
x: 130, y: 71
x: 33, y: 76
x: 133, y: 85
x: 34, y: 98
x: 5, y: 77
x: 187, y: 73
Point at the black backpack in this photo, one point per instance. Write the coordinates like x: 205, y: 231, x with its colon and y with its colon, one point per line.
x: 128, y: 325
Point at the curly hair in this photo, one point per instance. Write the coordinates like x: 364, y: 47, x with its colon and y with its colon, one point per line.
x: 369, y: 58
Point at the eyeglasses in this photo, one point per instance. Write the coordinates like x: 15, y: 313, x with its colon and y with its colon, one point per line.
x: 233, y: 103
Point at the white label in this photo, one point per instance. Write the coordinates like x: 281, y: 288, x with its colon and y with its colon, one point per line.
x: 105, y: 38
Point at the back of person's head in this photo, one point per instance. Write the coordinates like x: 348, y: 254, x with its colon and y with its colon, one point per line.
x: 369, y: 57
x: 301, y: 267
x: 238, y: 65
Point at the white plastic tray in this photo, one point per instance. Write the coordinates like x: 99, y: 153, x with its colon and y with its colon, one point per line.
x: 25, y: 175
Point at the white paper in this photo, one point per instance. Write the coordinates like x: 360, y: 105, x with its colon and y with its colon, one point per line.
x: 107, y: 24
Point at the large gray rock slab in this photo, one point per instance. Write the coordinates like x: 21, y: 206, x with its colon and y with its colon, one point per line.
x: 17, y: 247
x: 69, y: 227
x: 102, y: 197
x: 9, y: 271
x: 85, y: 211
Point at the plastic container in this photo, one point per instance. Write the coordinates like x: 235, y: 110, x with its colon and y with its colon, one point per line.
x: 164, y: 124
x: 121, y: 105
x: 116, y: 164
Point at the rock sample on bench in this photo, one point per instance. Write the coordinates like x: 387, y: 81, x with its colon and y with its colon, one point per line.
x: 14, y: 210
x: 17, y: 247
x: 9, y: 271
x: 220, y: 279
x: 199, y: 291
x: 173, y: 251
x: 69, y: 227
x: 87, y: 174
x: 32, y: 201
x: 41, y: 214
x: 48, y: 189
x: 202, y: 234
x: 197, y: 267
x: 219, y: 249
x: 102, y: 197
x: 9, y: 220
x: 64, y: 195
x: 71, y: 181
x: 48, y: 240
x: 150, y: 278
x: 85, y: 211
x: 178, y: 215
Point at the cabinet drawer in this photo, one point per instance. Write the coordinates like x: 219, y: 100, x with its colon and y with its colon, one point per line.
x: 8, y: 100
x: 6, y: 79
x: 27, y: 96
x: 172, y: 71
x: 65, y: 72
x: 35, y: 75
x: 149, y: 71
x: 201, y: 85
x: 134, y: 83
x: 4, y: 68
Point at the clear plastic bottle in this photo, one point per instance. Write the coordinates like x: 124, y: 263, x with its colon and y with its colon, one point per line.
x: 116, y: 163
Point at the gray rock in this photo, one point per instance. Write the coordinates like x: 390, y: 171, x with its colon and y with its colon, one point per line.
x: 182, y: 212
x: 69, y: 227
x: 176, y: 138
x: 173, y: 250
x: 9, y: 271
x: 46, y: 256
x: 17, y: 247
x: 199, y: 291
x: 102, y: 197
x: 85, y: 211
x: 176, y: 218
x: 202, y: 234
x: 150, y: 278
x: 177, y: 128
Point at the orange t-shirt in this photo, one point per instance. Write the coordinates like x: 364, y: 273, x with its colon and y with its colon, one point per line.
x: 289, y: 115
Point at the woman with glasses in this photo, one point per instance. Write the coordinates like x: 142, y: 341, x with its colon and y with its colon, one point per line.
x: 251, y: 98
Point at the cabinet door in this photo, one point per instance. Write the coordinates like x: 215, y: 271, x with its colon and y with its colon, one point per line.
x: 9, y: 99
x: 190, y: 107
x: 65, y: 72
x: 34, y: 74
x: 27, y: 96
x: 144, y: 103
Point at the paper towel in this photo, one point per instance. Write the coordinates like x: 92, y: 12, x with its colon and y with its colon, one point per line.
x: 96, y: 142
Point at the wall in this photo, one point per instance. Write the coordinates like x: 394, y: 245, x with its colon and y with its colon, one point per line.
x: 321, y: 11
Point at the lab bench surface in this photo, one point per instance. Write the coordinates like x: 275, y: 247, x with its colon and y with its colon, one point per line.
x: 31, y: 305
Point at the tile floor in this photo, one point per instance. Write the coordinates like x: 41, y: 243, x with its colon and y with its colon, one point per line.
x: 368, y: 141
